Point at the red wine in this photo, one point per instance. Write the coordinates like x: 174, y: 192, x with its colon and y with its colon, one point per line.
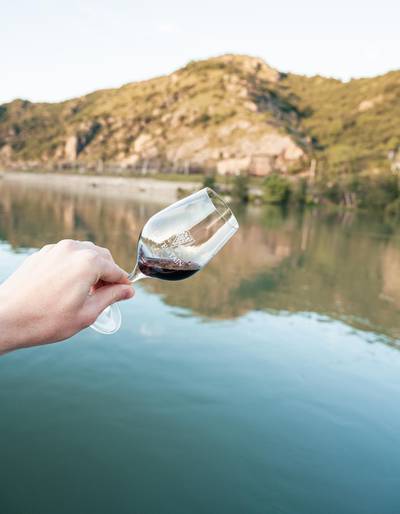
x: 166, y: 269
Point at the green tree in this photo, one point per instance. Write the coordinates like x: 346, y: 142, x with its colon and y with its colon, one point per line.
x: 209, y: 181
x: 300, y: 193
x: 276, y: 189
x: 240, y: 189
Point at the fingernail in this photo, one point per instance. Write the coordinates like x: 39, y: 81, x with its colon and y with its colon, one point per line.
x: 128, y: 293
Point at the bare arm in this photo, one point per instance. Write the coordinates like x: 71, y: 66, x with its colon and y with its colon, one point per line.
x: 57, y: 292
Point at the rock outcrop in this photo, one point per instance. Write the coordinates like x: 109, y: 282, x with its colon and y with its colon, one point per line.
x: 71, y: 148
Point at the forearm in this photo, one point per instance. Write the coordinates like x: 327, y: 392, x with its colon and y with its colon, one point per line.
x: 22, y: 326
x: 17, y: 328
x: 8, y: 333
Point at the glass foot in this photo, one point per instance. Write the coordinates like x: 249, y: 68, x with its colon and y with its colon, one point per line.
x: 109, y: 320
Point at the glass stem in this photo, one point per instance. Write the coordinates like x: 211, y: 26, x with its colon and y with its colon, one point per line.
x: 136, y: 275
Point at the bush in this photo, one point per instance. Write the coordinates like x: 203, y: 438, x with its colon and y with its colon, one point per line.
x: 300, y: 193
x: 376, y: 192
x: 276, y: 189
x: 209, y: 181
x: 240, y: 189
x: 393, y: 209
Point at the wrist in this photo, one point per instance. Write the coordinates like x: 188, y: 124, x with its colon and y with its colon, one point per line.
x: 8, y: 339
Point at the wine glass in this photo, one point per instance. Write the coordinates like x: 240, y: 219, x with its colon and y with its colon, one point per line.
x: 176, y: 243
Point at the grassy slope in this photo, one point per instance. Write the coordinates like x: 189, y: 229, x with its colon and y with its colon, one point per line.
x: 345, y: 137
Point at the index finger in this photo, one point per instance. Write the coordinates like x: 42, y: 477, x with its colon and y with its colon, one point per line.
x: 108, y: 271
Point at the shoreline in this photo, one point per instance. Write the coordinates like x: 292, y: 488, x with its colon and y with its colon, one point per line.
x: 146, y: 189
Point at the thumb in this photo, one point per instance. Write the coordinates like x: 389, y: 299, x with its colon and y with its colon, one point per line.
x: 106, y: 295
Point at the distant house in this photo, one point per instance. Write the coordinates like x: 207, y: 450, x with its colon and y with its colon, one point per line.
x: 233, y: 166
x: 259, y: 165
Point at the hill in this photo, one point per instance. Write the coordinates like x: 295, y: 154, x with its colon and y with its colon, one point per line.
x: 231, y: 113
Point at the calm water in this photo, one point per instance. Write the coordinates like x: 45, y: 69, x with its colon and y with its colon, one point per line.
x: 267, y: 383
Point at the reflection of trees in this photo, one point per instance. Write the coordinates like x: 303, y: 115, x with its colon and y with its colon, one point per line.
x: 339, y: 265
x: 391, y: 275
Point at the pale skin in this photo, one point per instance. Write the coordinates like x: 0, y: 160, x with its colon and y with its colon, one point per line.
x: 57, y: 292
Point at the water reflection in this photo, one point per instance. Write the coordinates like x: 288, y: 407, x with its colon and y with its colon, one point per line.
x: 344, y: 266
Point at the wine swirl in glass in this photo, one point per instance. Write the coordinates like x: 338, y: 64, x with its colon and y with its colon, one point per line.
x: 176, y: 243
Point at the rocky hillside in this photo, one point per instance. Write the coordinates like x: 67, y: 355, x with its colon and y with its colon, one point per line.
x: 230, y: 114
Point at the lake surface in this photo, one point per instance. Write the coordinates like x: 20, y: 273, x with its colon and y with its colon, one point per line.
x: 267, y: 383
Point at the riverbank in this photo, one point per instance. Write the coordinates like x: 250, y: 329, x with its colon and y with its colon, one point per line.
x: 146, y: 189
x: 379, y: 193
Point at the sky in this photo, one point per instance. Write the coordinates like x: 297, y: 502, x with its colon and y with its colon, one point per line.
x: 52, y: 50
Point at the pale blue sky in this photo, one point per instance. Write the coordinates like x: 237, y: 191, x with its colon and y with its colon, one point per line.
x: 52, y: 49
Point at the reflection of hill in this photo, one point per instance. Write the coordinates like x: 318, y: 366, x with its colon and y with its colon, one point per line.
x: 31, y: 218
x: 213, y: 293
x: 307, y: 264
x: 353, y: 292
x: 344, y: 267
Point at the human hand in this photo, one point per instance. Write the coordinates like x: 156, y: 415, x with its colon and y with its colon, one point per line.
x: 57, y: 292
